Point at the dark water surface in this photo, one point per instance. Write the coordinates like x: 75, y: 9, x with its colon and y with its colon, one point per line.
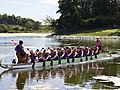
x: 74, y: 77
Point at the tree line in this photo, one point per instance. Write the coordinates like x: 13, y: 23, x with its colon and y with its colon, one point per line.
x: 25, y: 23
x: 77, y: 15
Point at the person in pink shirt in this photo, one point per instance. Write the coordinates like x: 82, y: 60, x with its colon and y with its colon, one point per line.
x: 99, y: 44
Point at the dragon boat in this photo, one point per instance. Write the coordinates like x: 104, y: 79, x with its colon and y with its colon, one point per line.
x: 59, y: 63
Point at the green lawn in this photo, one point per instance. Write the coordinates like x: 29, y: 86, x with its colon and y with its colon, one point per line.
x: 107, y: 32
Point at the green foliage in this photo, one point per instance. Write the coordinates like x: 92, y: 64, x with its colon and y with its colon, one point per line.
x: 13, y: 20
x: 78, y: 15
x: 49, y: 24
x: 3, y: 29
x: 46, y: 29
x: 48, y: 20
x: 20, y: 29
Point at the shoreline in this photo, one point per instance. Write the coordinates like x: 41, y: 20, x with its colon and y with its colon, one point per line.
x: 24, y: 34
x: 87, y: 37
x: 61, y: 36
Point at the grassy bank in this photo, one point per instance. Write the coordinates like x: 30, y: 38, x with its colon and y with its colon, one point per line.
x: 19, y: 29
x: 47, y: 29
x: 99, y: 32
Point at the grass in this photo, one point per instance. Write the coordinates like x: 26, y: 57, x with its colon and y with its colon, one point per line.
x: 45, y: 29
x: 20, y: 29
x: 100, y: 32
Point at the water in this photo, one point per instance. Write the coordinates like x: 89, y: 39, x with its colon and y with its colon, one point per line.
x: 74, y: 77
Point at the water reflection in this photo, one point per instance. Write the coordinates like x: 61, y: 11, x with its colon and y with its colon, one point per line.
x: 80, y: 75
x: 21, y: 80
x: 72, y: 75
x: 112, y: 67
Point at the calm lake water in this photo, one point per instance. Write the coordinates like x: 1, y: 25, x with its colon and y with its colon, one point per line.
x: 74, y: 77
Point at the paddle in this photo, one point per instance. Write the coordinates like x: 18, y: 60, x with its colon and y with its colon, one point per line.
x: 81, y: 59
x: 59, y: 61
x: 0, y: 62
x: 68, y: 61
x: 33, y: 65
x: 73, y: 59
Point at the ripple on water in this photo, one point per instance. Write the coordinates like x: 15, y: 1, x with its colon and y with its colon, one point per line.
x: 43, y: 86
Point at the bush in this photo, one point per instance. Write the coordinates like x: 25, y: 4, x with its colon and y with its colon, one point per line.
x: 98, y: 22
x: 3, y: 29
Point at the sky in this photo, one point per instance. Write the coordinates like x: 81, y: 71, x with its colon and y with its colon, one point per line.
x: 34, y: 9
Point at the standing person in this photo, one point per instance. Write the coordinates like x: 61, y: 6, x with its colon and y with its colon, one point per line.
x: 20, y: 53
x: 99, y: 44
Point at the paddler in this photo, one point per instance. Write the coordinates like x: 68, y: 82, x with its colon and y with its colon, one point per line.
x: 96, y: 52
x: 33, y: 58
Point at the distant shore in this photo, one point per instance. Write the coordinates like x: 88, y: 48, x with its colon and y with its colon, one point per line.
x: 61, y: 36
x: 87, y: 37
x: 24, y: 34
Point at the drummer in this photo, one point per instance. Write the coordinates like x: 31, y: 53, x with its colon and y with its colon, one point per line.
x: 20, y: 53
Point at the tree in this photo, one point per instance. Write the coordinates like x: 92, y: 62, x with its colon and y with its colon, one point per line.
x: 29, y: 25
x: 48, y: 21
x: 77, y: 14
x: 69, y: 14
x: 105, y: 8
x: 4, y: 18
x: 17, y: 20
x: 36, y: 25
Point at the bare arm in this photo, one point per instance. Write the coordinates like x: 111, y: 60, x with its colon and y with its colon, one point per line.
x: 62, y: 55
x: 47, y: 57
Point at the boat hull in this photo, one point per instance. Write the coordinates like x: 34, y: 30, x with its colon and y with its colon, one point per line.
x: 55, y: 63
